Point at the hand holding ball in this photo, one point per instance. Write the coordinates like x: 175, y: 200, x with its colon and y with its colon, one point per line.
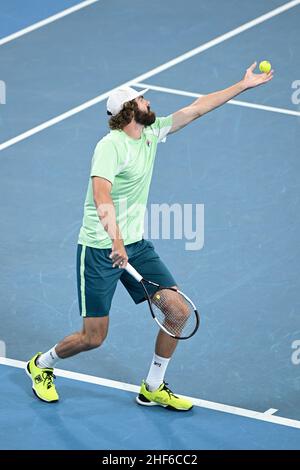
x: 265, y: 66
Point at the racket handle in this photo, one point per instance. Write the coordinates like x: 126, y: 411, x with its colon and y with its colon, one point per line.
x: 130, y: 269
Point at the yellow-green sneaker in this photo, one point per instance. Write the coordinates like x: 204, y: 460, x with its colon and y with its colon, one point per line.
x: 42, y: 381
x: 163, y: 396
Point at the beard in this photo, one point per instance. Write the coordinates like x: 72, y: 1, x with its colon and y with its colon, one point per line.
x: 144, y: 118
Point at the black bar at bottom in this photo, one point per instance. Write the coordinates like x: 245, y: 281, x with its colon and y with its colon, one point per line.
x: 134, y: 458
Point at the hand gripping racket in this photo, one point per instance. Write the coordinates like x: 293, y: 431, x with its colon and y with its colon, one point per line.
x: 172, y: 310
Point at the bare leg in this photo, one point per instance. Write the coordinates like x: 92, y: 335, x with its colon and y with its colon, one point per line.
x: 93, y: 334
x: 165, y: 345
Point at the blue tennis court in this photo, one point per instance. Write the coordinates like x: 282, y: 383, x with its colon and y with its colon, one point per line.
x: 240, y: 163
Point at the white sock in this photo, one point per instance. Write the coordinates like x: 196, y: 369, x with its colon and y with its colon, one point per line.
x: 48, y: 359
x: 157, y: 372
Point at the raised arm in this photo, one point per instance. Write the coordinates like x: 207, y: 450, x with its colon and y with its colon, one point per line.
x: 207, y: 103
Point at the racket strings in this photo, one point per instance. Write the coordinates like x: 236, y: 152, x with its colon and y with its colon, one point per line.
x: 173, y: 312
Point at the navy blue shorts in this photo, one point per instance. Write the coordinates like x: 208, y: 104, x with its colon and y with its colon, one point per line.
x: 97, y: 279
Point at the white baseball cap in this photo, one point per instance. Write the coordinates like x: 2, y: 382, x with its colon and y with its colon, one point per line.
x: 120, y: 96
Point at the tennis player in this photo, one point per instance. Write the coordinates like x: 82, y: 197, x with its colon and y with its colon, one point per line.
x: 112, y: 232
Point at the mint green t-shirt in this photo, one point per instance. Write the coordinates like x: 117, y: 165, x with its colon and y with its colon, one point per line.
x: 128, y: 164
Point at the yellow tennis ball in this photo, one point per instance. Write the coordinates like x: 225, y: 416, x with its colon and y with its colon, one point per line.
x: 157, y: 296
x: 265, y: 66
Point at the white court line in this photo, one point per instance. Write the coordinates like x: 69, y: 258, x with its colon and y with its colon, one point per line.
x: 150, y: 73
x: 2, y: 348
x: 271, y: 411
x: 135, y: 389
x: 246, y: 104
x: 48, y: 20
x: 53, y: 121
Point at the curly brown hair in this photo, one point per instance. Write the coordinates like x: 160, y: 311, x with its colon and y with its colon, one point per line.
x: 124, y: 117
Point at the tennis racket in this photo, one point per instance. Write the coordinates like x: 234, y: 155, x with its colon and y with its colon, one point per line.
x: 172, y: 310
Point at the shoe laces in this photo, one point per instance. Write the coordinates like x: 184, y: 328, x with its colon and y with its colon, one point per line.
x: 48, y: 378
x: 169, y: 392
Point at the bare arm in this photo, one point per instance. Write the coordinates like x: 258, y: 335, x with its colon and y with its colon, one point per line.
x: 207, y: 103
x: 107, y: 215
